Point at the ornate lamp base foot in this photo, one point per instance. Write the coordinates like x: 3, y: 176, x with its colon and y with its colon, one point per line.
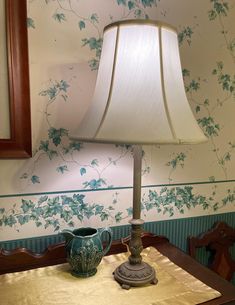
x: 135, y: 275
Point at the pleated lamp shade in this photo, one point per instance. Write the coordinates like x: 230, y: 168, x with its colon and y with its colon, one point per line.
x: 139, y: 96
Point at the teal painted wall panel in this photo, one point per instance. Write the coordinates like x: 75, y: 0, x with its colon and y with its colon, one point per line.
x: 178, y: 230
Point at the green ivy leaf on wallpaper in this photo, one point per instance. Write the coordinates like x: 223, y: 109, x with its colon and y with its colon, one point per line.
x: 24, y: 176
x: 51, y: 154
x: 231, y: 45
x: 115, y: 198
x: 148, y: 3
x: 61, y: 169
x: 126, y: 146
x: 74, y: 146
x: 206, y: 102
x: 53, y: 91
x: 225, y: 80
x: 94, y: 183
x: 185, y: 35
x: 131, y: 5
x: 121, y: 2
x: 38, y: 224
x: 53, y: 208
x: 227, y: 156
x: 232, y: 145
x: 67, y: 200
x: 94, y: 18
x: 23, y: 219
x: 82, y: 25
x: 44, y: 146
x: 134, y: 3
x: 209, y: 127
x: 129, y: 211
x: 98, y: 209
x: 169, y: 211
x: 42, y: 199
x: 94, y: 64
x: 230, y: 198
x: 30, y: 23
x: 220, y: 8
x: 63, y: 85
x: 57, y: 134
x: 35, y: 179
x: 193, y: 85
x: 94, y: 162
x: 82, y: 171
x: 26, y: 205
x: 138, y: 13
x: 212, y: 15
x: 197, y: 109
x: 185, y: 72
x: 104, y: 216
x: 89, y: 212
x: 148, y: 206
x: 9, y: 220
x: 59, y: 17
x: 77, y: 198
x: 118, y: 217
x: 66, y: 215
x: 212, y: 178
x: 94, y: 44
x: 178, y: 160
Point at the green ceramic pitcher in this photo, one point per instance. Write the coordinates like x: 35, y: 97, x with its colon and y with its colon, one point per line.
x: 85, y: 249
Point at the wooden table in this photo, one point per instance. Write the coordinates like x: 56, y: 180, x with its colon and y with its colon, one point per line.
x: 201, y: 272
x: 22, y: 259
x: 189, y: 264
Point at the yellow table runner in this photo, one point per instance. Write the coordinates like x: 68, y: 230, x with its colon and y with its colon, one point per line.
x: 55, y: 285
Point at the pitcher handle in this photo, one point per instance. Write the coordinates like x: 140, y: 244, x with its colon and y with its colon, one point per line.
x: 110, y: 234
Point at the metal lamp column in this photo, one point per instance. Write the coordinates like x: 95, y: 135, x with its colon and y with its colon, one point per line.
x: 135, y: 272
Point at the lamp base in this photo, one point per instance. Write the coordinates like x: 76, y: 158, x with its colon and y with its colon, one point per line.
x: 135, y: 275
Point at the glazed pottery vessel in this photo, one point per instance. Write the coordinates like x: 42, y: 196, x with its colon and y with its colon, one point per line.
x: 85, y: 249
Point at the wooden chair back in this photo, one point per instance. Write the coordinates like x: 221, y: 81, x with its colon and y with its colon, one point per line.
x: 218, y: 241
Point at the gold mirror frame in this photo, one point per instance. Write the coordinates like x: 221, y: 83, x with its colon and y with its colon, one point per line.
x: 19, y: 143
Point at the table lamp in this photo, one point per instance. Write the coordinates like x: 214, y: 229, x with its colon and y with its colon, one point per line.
x: 139, y: 98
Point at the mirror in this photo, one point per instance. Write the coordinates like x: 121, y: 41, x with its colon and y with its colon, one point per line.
x: 17, y: 142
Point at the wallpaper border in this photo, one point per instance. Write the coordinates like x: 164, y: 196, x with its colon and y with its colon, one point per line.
x: 114, y: 188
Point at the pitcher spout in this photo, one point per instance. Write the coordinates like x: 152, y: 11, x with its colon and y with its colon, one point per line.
x: 68, y: 235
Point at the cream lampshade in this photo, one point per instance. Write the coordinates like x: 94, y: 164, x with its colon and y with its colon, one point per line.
x: 139, y: 95
x: 139, y: 98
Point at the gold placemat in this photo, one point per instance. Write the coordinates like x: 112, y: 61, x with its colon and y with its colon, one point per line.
x: 55, y: 285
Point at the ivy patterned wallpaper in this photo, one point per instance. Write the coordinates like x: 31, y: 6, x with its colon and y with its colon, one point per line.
x: 71, y: 184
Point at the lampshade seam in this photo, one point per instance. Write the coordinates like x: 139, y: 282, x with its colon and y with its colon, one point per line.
x: 111, y: 84
x: 163, y: 85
